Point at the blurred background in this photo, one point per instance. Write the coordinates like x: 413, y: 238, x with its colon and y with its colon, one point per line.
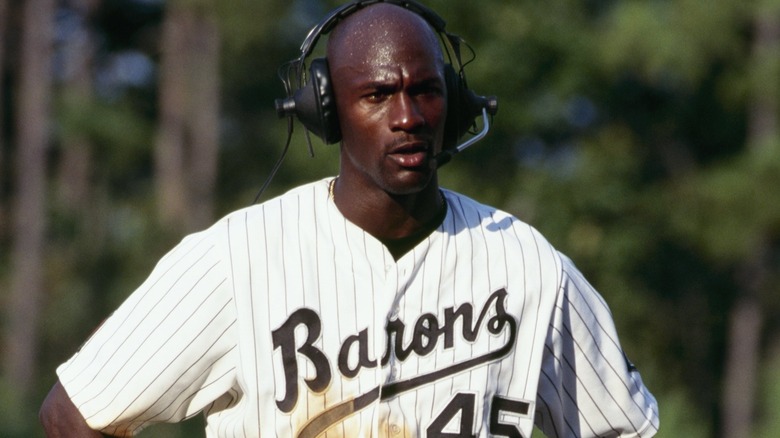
x: 642, y: 137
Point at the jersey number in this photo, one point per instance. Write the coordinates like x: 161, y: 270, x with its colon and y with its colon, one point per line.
x: 464, y: 404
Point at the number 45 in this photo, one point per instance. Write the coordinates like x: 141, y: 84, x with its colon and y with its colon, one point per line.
x: 465, y: 404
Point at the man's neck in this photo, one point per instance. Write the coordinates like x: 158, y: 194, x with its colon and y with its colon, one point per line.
x: 399, y: 247
x: 388, y: 216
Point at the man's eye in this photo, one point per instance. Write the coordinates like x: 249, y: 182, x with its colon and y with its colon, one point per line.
x: 377, y: 95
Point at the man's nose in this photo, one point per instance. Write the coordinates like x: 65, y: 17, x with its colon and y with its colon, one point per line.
x: 406, y: 113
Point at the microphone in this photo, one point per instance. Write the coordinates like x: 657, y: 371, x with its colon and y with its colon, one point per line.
x: 488, y: 105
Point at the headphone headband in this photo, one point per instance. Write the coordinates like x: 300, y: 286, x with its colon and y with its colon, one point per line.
x: 342, y: 12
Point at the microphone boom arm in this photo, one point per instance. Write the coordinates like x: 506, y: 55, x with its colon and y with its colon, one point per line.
x: 445, y: 156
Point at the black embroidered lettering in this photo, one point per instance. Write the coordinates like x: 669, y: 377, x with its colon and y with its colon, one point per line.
x: 361, y: 340
x: 284, y: 339
x: 465, y: 312
x: 497, y: 322
x: 395, y: 340
x: 426, y: 334
x: 353, y: 354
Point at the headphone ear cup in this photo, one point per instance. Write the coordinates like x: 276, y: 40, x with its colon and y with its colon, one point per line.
x: 461, y: 110
x: 315, y: 103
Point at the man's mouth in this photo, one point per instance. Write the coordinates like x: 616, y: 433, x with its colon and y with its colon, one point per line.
x: 411, y: 154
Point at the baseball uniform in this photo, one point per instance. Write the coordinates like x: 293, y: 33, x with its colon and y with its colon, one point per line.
x: 284, y: 319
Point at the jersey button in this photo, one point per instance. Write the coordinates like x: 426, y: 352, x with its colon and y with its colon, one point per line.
x: 393, y: 372
x: 395, y: 429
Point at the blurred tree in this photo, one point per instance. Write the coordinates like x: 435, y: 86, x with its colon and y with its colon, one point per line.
x: 74, y: 167
x: 753, y: 269
x: 33, y: 125
x: 639, y: 136
x: 4, y: 12
x: 187, y: 139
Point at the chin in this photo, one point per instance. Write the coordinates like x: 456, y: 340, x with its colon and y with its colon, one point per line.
x: 412, y: 181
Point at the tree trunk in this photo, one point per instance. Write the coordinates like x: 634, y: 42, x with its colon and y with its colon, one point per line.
x: 204, y: 121
x: 4, y: 10
x: 742, y: 365
x: 169, y: 147
x: 74, y: 169
x: 746, y: 319
x: 32, y: 128
x: 187, y: 138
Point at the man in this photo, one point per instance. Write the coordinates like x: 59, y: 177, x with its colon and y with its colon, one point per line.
x: 370, y: 304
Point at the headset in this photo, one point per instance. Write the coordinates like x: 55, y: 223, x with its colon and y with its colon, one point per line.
x: 311, y: 100
x: 314, y: 104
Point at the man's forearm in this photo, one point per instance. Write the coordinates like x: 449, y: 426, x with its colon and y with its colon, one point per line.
x: 61, y: 419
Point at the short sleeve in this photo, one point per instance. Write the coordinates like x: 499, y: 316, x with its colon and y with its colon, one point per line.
x: 587, y: 386
x: 167, y: 352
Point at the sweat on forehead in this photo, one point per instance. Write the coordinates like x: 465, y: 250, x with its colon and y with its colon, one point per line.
x: 376, y: 29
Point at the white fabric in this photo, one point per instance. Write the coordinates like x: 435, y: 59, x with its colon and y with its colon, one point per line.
x: 222, y: 326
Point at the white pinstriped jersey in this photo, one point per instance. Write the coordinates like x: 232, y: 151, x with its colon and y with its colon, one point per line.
x: 285, y: 319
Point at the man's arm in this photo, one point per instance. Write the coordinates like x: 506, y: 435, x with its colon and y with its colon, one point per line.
x: 61, y: 418
x: 587, y: 385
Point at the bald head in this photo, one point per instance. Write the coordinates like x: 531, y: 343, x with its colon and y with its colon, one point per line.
x: 375, y: 34
x: 388, y: 77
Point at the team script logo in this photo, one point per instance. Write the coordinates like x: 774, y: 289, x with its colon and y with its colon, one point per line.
x: 427, y: 332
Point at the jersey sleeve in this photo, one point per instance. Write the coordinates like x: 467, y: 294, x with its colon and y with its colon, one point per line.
x: 587, y: 386
x: 167, y: 352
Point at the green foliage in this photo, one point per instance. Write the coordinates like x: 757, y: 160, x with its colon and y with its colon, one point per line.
x: 679, y: 417
x: 673, y: 41
x: 17, y: 421
x: 728, y: 210
x: 120, y: 132
x: 622, y: 135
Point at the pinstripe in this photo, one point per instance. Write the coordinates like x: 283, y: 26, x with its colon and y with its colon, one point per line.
x: 282, y: 248
x: 570, y: 397
x: 152, y: 358
x: 170, y: 387
x: 142, y: 295
x: 325, y: 297
x: 283, y: 212
x: 339, y: 296
x: 251, y: 265
x: 205, y: 385
x: 576, y: 401
x: 232, y: 268
x: 601, y: 380
x: 549, y: 416
x: 584, y: 385
x: 609, y: 363
x: 443, y: 230
x: 455, y: 242
x: 252, y: 306
x: 150, y: 333
x: 535, y: 335
x: 523, y: 263
x: 121, y: 342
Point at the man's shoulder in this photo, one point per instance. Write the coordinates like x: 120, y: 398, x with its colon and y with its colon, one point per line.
x: 310, y: 194
x: 295, y: 205
x: 471, y: 209
x: 473, y: 214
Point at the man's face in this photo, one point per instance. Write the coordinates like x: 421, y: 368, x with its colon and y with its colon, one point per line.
x: 391, y: 100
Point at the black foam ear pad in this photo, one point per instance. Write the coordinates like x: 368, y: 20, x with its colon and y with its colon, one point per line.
x: 462, y: 107
x: 315, y: 104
